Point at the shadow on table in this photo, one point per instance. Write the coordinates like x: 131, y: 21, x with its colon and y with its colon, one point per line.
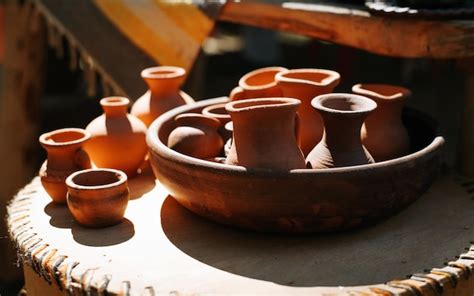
x: 405, y: 244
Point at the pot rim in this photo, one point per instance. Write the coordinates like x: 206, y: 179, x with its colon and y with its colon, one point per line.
x: 156, y: 146
x: 364, y: 89
x: 207, y: 120
x: 175, y: 72
x: 114, y: 101
x: 43, y: 139
x: 243, y: 80
x: 261, y: 103
x: 208, y: 111
x: 122, y: 179
x: 368, y: 105
x: 333, y: 76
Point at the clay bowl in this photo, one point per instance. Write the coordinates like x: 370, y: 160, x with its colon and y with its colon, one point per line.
x: 298, y: 201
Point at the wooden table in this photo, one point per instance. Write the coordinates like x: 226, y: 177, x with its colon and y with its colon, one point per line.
x: 163, y: 249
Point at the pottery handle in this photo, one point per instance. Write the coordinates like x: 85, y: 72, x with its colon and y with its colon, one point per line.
x: 237, y: 94
x: 82, y: 159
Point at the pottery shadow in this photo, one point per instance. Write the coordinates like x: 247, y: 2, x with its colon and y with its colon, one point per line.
x: 102, y: 237
x: 59, y: 214
x: 394, y: 248
x: 143, y: 182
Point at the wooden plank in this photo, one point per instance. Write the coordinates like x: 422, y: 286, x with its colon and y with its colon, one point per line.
x: 357, y: 28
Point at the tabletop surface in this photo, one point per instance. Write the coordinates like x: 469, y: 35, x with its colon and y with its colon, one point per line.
x: 164, y: 246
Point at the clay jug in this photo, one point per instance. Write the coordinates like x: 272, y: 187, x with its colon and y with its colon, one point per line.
x: 219, y: 112
x: 163, y: 93
x: 340, y: 145
x: 196, y: 136
x: 264, y: 134
x: 305, y: 84
x: 117, y: 138
x: 259, y: 83
x: 65, y: 156
x: 383, y: 132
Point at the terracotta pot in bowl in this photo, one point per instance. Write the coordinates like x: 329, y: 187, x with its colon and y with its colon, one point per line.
x: 300, y: 200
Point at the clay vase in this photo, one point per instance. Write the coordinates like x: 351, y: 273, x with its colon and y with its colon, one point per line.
x: 383, y: 132
x: 305, y: 84
x: 264, y: 134
x: 97, y: 197
x: 341, y: 146
x: 65, y: 156
x: 219, y: 112
x: 259, y: 83
x: 196, y: 136
x: 163, y: 93
x: 117, y: 138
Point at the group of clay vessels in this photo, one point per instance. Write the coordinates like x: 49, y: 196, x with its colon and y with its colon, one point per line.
x: 280, y: 119
x: 88, y: 168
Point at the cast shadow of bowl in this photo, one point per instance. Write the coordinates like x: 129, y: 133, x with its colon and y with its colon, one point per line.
x: 101, y: 237
x: 142, y: 183
x: 59, y: 214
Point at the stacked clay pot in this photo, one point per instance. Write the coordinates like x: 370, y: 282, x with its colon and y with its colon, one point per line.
x: 117, y: 138
x: 259, y: 83
x: 163, y: 93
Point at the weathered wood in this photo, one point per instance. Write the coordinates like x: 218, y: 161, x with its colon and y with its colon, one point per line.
x: 358, y: 28
x: 22, y: 77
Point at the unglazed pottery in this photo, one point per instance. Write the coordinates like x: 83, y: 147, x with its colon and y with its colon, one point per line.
x: 65, y: 156
x: 196, y: 136
x: 97, y: 197
x: 340, y: 145
x: 117, y: 138
x: 264, y: 134
x: 298, y: 201
x: 163, y: 93
x: 259, y: 83
x: 383, y: 132
x: 219, y: 112
x: 305, y: 84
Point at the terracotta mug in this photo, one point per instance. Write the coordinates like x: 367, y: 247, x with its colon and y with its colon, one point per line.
x: 259, y: 83
x: 65, y: 156
x: 97, y: 197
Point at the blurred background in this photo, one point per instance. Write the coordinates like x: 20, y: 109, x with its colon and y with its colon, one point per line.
x: 58, y: 96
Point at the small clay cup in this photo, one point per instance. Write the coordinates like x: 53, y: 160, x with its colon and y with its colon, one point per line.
x: 258, y: 83
x: 65, y: 156
x: 219, y: 112
x: 97, y: 197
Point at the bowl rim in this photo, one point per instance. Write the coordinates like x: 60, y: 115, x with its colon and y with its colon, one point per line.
x: 155, y: 145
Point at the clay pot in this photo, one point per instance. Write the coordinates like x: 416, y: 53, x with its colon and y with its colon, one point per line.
x: 196, y: 136
x: 264, y: 134
x: 305, y: 84
x: 259, y: 83
x: 341, y: 146
x: 65, y: 157
x: 383, y: 132
x: 220, y: 113
x: 97, y: 197
x: 118, y: 139
x: 163, y: 93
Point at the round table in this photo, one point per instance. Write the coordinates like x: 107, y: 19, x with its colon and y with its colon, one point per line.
x: 162, y: 248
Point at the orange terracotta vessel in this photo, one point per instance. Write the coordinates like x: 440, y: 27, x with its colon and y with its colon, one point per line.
x: 219, y: 112
x: 196, y: 136
x: 341, y: 146
x: 264, y: 134
x: 259, y: 83
x: 305, y: 84
x: 117, y: 138
x: 163, y: 93
x: 97, y: 197
x: 65, y: 156
x: 383, y: 132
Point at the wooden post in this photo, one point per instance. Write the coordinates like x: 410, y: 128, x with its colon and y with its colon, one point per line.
x: 21, y: 84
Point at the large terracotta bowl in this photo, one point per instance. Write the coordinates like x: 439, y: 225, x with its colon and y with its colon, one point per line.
x: 299, y: 201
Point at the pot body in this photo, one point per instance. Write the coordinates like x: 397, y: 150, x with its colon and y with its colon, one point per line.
x: 163, y: 93
x: 383, y: 132
x: 264, y: 134
x: 65, y: 156
x: 197, y: 136
x: 97, y: 197
x: 259, y: 83
x: 118, y: 139
x: 305, y: 84
x: 341, y: 146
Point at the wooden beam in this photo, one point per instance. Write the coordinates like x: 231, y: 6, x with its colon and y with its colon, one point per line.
x: 398, y: 37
